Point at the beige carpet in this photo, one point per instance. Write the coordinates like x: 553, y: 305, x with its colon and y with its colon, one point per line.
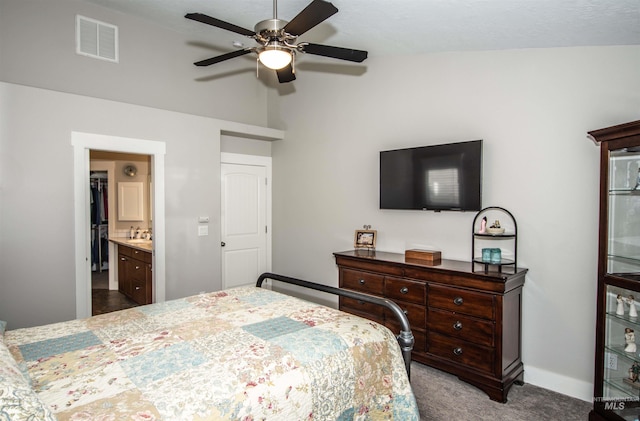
x: 443, y: 397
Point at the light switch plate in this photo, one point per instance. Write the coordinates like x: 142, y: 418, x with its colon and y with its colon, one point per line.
x: 203, y: 230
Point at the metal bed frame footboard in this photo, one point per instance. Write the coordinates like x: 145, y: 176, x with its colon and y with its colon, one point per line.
x: 405, y: 338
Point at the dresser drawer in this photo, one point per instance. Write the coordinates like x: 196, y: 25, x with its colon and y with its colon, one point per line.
x: 364, y: 314
x: 415, y: 314
x: 462, y: 301
x: 362, y: 308
x: 404, y: 290
x: 462, y: 327
x: 356, y: 280
x: 461, y: 352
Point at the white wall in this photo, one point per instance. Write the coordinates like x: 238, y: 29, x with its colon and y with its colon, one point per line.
x: 531, y: 107
x: 37, y: 44
x: 47, y: 91
x: 37, y: 276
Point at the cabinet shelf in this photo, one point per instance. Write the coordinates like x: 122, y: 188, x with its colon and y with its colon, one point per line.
x: 624, y: 192
x: 619, y: 351
x: 629, y: 276
x: 622, y: 387
x: 496, y: 236
x: 503, y: 262
x: 634, y: 321
x: 628, y: 259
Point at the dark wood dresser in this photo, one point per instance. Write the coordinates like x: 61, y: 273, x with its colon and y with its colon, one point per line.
x: 465, y: 322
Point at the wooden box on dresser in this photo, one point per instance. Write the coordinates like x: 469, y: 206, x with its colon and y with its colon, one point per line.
x: 465, y: 322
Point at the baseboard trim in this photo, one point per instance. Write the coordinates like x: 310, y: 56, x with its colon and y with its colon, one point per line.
x: 558, y: 383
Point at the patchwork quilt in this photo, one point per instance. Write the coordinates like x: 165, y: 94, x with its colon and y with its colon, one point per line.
x: 239, y: 354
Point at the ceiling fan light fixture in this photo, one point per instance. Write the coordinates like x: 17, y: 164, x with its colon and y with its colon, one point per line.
x: 275, y: 57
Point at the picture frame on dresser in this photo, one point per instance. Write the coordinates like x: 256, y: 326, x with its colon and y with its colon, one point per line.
x: 365, y: 239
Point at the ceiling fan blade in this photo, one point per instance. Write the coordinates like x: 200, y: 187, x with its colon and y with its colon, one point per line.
x: 286, y: 74
x: 316, y: 12
x: 335, y: 52
x: 223, y: 57
x: 199, y: 17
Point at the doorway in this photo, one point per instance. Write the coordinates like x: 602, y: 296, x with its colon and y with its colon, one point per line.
x: 82, y: 144
x: 107, y: 171
x: 245, y: 218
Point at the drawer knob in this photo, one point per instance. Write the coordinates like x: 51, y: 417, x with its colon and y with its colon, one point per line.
x: 457, y: 351
x: 137, y: 288
x: 404, y: 290
x: 458, y: 301
x: 124, y: 259
x: 457, y: 325
x: 137, y: 267
x: 361, y: 281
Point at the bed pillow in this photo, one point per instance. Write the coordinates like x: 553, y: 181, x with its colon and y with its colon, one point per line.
x: 17, y: 399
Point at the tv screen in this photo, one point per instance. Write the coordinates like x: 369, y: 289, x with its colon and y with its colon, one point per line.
x: 437, y: 177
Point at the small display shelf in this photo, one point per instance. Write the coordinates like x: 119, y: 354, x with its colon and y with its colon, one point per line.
x: 493, y: 256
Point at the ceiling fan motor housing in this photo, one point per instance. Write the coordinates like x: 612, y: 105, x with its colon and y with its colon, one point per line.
x: 270, y: 28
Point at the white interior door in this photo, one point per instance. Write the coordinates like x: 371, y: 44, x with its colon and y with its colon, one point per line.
x: 245, y: 220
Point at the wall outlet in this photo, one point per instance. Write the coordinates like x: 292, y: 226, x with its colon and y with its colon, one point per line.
x: 611, y: 361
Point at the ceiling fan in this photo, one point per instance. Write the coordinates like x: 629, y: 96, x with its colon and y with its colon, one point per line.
x: 277, y: 39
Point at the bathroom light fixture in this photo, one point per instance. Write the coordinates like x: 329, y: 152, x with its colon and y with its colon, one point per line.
x: 274, y: 56
x: 130, y: 170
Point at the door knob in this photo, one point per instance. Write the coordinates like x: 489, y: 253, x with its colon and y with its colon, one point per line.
x: 222, y: 244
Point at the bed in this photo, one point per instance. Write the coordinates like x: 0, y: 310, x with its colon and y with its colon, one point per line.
x: 245, y: 353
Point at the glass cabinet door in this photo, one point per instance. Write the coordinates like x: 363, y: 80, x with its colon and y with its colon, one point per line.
x: 621, y: 374
x: 624, y: 214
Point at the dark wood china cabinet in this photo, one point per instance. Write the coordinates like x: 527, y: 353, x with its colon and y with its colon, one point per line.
x: 617, y: 357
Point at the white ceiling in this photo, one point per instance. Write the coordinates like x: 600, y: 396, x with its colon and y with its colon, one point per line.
x: 385, y: 27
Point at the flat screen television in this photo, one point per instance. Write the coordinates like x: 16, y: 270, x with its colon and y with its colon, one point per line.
x: 436, y: 177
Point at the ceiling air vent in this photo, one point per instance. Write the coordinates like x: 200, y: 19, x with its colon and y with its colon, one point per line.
x: 96, y: 39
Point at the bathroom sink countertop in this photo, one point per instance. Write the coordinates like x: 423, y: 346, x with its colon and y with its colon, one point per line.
x: 144, y: 245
